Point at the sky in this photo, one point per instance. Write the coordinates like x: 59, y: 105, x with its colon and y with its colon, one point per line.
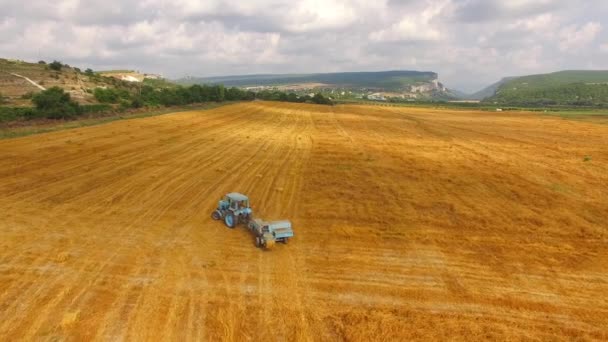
x: 469, y: 43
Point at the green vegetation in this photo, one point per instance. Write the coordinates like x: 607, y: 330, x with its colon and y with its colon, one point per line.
x: 318, y: 98
x: 559, y: 78
x: 565, y: 88
x: 56, y: 65
x: 16, y: 113
x: 54, y: 103
x: 111, y: 95
x: 2, y: 100
x: 276, y: 95
x: 576, y: 94
x: 114, y: 95
x: 388, y: 80
x: 178, y: 95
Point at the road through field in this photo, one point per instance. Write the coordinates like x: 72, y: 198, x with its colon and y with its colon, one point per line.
x: 411, y: 223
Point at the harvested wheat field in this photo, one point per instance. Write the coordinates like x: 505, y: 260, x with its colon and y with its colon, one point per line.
x: 410, y: 223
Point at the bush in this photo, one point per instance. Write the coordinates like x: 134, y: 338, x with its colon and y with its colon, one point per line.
x: 56, y: 65
x: 54, y: 103
x: 17, y: 113
x: 89, y: 72
x: 2, y: 99
x: 41, y: 62
x: 320, y: 99
x: 95, y: 108
x: 137, y: 103
x: 111, y: 95
x: 125, y: 104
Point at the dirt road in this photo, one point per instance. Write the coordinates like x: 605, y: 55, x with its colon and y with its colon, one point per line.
x: 30, y: 81
x: 410, y: 224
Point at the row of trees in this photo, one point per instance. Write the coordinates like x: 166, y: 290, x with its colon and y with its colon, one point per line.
x: 149, y: 96
x: 55, y: 103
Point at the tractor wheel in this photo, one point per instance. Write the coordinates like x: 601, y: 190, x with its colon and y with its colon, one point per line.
x: 285, y: 240
x: 269, y: 244
x: 258, y: 242
x: 230, y: 220
x: 216, y: 215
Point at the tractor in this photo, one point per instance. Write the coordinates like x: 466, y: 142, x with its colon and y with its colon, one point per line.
x: 233, y: 209
x: 267, y: 233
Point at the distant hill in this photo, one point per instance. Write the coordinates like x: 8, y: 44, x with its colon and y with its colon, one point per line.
x: 573, y: 87
x: 488, y: 91
x: 382, y: 80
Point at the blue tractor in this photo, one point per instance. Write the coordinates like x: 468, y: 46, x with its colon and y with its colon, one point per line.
x: 233, y: 209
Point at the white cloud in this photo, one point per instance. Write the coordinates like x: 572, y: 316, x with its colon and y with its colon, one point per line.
x: 315, y: 15
x: 418, y: 27
x: 574, y: 37
x: 468, y: 42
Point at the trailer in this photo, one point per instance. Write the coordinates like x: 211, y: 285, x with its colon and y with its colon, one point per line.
x: 269, y: 233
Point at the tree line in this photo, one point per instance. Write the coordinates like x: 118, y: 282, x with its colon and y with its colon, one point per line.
x: 149, y: 96
x: 55, y: 103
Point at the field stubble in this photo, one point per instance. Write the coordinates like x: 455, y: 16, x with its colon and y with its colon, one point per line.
x: 411, y: 223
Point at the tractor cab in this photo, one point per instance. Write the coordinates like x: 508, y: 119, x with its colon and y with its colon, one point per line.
x: 233, y: 208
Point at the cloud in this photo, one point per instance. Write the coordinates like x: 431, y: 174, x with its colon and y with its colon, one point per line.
x: 470, y: 43
x: 574, y: 37
x: 493, y: 10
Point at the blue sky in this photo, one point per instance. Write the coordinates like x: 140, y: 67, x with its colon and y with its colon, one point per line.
x: 470, y: 43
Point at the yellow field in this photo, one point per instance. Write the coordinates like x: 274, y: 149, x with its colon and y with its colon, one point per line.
x: 410, y: 224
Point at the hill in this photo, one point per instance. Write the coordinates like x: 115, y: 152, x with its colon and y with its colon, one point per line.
x: 573, y: 87
x: 399, y: 82
x: 387, y: 80
x: 488, y: 91
x: 20, y: 80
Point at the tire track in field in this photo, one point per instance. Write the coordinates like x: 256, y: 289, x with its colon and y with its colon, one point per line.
x: 129, y: 247
x: 235, y: 162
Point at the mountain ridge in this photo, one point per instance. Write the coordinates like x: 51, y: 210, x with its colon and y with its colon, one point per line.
x: 567, y: 87
x: 404, y: 83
